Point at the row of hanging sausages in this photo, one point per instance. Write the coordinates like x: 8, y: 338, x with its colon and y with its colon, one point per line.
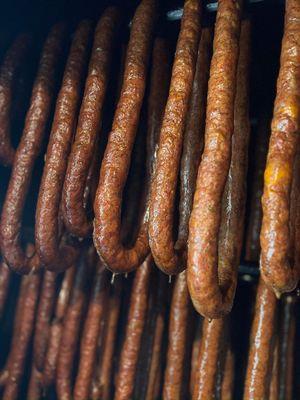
x: 197, y: 134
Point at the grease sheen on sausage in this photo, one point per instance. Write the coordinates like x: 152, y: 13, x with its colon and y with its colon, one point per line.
x: 276, y: 268
x: 116, y: 161
x: 163, y: 186
x: 26, y: 154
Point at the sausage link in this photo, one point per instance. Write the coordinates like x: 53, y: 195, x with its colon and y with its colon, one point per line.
x: 19, y: 351
x: 56, y: 328
x: 116, y: 161
x: 177, y: 339
x: 8, y: 75
x: 212, y: 291
x: 134, y: 330
x: 276, y: 269
x: 157, y: 346
x: 252, y: 244
x: 44, y: 313
x: 26, y: 154
x: 163, y: 187
x: 18, y: 312
x: 274, y: 384
x: 193, y: 141
x: 228, y: 377
x: 91, y: 332
x: 158, y: 94
x: 261, y: 347
x: 210, y: 350
x: 101, y: 388
x: 54, y: 255
x: 34, y: 391
x: 286, y: 348
x: 195, y: 356
x: 89, y: 122
x: 5, y: 276
x: 71, y: 332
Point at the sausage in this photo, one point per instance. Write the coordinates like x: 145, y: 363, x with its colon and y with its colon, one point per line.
x: 134, y: 330
x: 18, y: 312
x: 71, y: 331
x: 157, y: 98
x: 19, y: 351
x: 5, y: 277
x: 177, y: 339
x: 56, y: 255
x: 156, y: 101
x: 252, y: 244
x: 286, y: 347
x: 274, y: 384
x: 210, y: 349
x: 261, y: 347
x: 91, y: 331
x: 212, y: 281
x: 101, y: 388
x: 116, y: 161
x: 228, y: 376
x: 193, y: 140
x: 56, y: 328
x: 195, y: 356
x: 276, y: 269
x: 26, y: 154
x: 34, y: 391
x: 43, y: 318
x: 8, y: 75
x: 163, y: 186
x: 157, y: 346
x: 88, y: 126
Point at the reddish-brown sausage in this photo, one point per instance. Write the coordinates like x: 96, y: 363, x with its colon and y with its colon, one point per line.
x: 177, y: 339
x: 90, y: 335
x: 134, y: 330
x: 163, y: 186
x: 101, y: 388
x: 212, y: 289
x: 55, y: 254
x: 193, y: 141
x: 116, y: 161
x: 56, y: 328
x: 5, y: 275
x: 26, y: 154
x: 71, y: 331
x: 9, y: 69
x: 276, y: 268
x: 43, y: 318
x: 88, y: 126
x: 211, y: 346
x: 19, y: 351
x: 262, y: 339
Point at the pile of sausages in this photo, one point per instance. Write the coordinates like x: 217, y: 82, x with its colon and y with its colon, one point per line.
x: 124, y: 287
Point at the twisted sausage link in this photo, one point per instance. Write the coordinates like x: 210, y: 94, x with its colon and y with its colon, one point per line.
x: 26, y: 154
